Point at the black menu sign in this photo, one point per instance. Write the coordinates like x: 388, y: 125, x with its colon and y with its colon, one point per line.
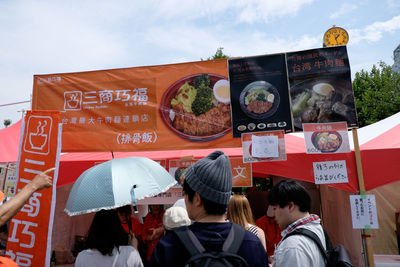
x: 320, y: 86
x: 259, y: 94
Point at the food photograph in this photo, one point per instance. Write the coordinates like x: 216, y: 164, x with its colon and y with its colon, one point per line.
x: 259, y: 100
x: 329, y: 141
x: 197, y: 107
x: 323, y: 100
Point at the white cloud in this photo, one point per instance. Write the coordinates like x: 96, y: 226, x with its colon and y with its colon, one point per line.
x: 344, y: 9
x: 374, y: 31
x: 246, y: 11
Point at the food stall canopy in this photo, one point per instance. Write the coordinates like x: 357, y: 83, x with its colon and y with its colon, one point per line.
x: 9, y: 142
x: 379, y: 146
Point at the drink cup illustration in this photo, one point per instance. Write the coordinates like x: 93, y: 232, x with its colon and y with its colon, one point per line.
x: 38, y: 140
x: 73, y: 102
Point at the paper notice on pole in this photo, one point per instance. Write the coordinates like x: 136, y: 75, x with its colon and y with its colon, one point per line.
x: 330, y: 172
x: 363, y: 211
x: 264, y: 146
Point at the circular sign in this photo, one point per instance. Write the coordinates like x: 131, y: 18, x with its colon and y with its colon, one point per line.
x: 336, y: 36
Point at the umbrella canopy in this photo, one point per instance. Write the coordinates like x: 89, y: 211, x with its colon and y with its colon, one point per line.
x: 116, y: 183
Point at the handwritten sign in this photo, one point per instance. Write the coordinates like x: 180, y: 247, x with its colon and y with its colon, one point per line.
x: 264, y: 146
x: 363, y: 211
x: 268, y: 146
x: 330, y: 172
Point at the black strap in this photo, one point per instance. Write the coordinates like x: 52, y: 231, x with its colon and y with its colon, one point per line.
x: 312, y: 236
x: 231, y: 244
x: 189, y: 240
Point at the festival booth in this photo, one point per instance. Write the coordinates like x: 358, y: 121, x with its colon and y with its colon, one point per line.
x: 376, y: 139
x: 108, y: 114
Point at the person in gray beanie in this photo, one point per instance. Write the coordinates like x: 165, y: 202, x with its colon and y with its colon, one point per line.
x: 207, y: 185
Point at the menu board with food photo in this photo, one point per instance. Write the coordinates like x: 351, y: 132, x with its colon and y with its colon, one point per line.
x: 264, y: 146
x: 178, y: 167
x: 326, y: 138
x: 259, y: 94
x: 320, y: 86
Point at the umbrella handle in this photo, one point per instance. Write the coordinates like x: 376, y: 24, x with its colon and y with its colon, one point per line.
x: 133, y: 199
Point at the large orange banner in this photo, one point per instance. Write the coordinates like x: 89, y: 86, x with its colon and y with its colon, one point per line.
x: 29, y: 240
x: 166, y: 107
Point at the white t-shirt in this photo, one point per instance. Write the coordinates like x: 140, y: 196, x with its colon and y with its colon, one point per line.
x: 128, y: 256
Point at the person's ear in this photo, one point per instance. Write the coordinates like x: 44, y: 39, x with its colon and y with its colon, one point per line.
x: 291, y: 206
x: 197, y: 200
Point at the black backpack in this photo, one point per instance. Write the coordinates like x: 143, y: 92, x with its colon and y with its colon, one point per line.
x: 200, y: 257
x: 334, y: 256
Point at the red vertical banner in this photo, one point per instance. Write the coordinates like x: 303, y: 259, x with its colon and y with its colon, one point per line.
x: 29, y: 240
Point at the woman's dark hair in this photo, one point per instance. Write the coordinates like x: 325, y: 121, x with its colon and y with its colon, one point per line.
x: 106, y: 232
x: 289, y: 191
x: 210, y: 206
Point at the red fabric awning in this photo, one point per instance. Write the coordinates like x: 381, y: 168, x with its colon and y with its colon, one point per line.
x: 379, y: 146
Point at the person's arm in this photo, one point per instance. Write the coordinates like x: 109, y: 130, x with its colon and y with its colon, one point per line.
x: 11, y: 207
x: 261, y: 236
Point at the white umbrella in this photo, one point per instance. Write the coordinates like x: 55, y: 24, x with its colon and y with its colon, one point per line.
x: 116, y: 183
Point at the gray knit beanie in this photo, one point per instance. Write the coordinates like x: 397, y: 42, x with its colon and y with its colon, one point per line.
x: 211, y: 177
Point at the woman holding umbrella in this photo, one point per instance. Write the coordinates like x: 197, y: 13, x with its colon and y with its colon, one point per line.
x: 107, y: 244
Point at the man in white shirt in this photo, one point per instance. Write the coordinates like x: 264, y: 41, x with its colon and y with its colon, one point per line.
x: 290, y: 204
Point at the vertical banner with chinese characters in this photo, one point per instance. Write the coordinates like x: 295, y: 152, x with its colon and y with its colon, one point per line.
x: 29, y: 240
x: 320, y: 86
x: 259, y: 94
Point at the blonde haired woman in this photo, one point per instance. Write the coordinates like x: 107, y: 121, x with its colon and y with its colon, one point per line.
x: 239, y: 212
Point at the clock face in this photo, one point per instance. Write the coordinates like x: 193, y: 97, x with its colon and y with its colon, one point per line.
x: 336, y: 36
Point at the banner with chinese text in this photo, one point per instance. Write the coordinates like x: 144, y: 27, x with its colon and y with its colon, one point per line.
x: 141, y: 108
x: 320, y: 86
x: 241, y: 172
x: 29, y: 240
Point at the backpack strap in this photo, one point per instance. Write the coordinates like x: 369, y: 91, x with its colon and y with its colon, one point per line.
x: 312, y: 236
x: 189, y: 240
x: 328, y: 242
x: 234, y: 239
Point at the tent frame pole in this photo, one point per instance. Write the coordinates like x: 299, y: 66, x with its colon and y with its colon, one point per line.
x: 365, y: 237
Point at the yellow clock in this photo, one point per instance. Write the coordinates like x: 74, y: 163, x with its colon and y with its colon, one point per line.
x: 336, y: 36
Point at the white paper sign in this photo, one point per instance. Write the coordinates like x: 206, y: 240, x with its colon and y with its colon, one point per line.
x: 330, y: 172
x: 363, y: 212
x: 264, y: 146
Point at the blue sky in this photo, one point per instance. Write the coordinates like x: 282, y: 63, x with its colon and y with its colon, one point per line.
x: 43, y: 36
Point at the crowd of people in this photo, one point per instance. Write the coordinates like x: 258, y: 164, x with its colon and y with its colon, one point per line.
x: 210, y: 224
